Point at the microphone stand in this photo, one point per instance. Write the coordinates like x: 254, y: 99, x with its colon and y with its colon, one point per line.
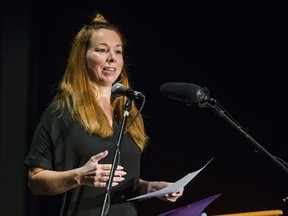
x: 221, y: 113
x: 116, y: 159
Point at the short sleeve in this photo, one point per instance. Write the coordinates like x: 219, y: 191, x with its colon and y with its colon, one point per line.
x: 41, y: 150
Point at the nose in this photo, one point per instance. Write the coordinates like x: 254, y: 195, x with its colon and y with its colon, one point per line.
x: 111, y: 57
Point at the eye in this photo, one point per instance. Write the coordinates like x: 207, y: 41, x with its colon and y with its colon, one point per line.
x: 118, y: 51
x: 101, y: 50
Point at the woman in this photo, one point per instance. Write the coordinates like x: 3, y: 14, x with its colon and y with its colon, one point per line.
x: 73, y: 145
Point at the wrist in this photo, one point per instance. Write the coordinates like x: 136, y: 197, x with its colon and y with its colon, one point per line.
x: 143, y: 187
x: 77, y: 177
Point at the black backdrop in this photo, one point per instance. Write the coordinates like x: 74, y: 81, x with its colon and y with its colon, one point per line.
x: 237, y: 49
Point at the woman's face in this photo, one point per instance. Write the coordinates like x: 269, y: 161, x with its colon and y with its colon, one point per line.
x: 104, y: 57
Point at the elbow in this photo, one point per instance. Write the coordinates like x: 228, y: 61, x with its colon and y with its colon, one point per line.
x: 34, y: 187
x: 35, y: 191
x: 36, y: 183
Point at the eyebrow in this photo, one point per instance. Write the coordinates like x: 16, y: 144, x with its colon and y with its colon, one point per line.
x: 105, y: 44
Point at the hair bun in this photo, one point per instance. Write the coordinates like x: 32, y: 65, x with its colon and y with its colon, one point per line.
x: 99, y: 18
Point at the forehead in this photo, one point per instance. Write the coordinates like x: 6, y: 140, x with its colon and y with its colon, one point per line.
x: 105, y: 36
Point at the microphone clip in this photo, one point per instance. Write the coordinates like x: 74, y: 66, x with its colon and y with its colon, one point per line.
x: 204, y: 97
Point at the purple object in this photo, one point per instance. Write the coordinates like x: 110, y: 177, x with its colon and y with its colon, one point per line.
x: 194, y: 209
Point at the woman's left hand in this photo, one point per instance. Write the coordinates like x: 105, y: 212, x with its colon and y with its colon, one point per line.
x: 171, y: 197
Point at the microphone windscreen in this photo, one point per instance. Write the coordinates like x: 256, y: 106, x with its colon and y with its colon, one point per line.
x: 185, y: 92
x: 117, y: 90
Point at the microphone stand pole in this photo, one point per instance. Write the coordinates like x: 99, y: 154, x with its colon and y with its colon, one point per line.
x: 116, y: 159
x: 221, y: 113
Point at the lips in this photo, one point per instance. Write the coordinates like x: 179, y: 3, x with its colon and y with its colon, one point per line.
x: 109, y: 70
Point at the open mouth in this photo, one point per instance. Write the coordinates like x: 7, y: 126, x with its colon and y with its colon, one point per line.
x: 109, y: 70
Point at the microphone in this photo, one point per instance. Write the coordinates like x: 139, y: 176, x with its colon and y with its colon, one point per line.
x: 118, y: 90
x: 185, y: 92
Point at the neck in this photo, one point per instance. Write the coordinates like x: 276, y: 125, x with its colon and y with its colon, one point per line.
x: 103, y: 97
x: 102, y: 92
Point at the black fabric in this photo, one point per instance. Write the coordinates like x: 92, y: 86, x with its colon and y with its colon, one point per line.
x: 60, y: 143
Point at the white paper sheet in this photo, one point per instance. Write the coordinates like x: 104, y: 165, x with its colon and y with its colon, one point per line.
x: 175, y: 187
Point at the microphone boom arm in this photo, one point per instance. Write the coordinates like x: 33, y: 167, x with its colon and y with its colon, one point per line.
x: 221, y: 113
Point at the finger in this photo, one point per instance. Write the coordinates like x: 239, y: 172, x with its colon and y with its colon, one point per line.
x: 176, y: 194
x: 102, y: 181
x: 171, y: 198
x: 179, y: 193
x: 118, y: 179
x: 109, y: 167
x: 120, y: 173
x: 100, y: 172
x: 103, y: 170
x: 104, y: 176
x: 104, y: 184
x: 99, y: 156
x: 95, y: 181
x: 168, y: 199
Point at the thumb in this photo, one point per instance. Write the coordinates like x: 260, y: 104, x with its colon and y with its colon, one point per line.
x: 99, y: 156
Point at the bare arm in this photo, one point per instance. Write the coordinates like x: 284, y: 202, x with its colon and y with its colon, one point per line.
x: 47, y: 182
x: 143, y: 187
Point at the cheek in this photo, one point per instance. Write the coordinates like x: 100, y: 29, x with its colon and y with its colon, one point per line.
x: 120, y: 63
x: 93, y: 62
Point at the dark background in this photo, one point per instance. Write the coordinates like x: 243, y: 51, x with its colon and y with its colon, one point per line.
x: 237, y: 49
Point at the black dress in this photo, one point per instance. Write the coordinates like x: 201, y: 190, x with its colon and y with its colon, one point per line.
x: 60, y: 143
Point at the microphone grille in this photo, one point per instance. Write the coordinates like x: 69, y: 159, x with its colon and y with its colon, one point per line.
x: 185, y: 92
x: 115, y: 90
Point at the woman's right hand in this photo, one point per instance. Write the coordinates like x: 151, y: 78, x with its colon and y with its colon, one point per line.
x: 48, y: 182
x: 96, y: 175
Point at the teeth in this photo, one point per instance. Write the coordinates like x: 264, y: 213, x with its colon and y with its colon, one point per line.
x: 109, y: 69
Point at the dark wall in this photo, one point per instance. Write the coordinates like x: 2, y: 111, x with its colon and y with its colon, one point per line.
x: 14, y: 76
x: 237, y: 49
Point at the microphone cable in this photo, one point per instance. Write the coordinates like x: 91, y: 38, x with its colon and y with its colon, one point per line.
x: 139, y: 111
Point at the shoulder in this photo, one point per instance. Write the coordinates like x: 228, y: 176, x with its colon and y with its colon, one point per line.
x: 52, y: 117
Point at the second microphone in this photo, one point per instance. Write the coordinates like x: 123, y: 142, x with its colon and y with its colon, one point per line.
x: 118, y: 90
